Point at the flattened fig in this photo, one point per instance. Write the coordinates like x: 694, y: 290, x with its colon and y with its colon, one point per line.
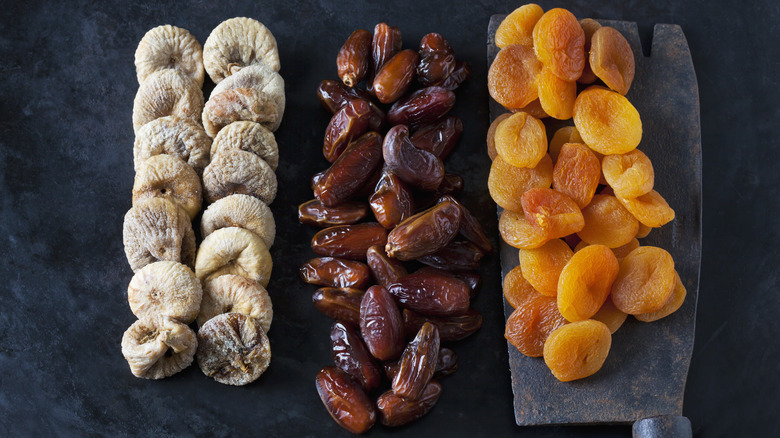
x: 158, y: 347
x: 165, y: 288
x: 167, y: 93
x: 169, y: 47
x: 234, y: 293
x: 248, y: 136
x: 233, y: 349
x: 241, y: 211
x: 239, y: 172
x: 176, y: 136
x: 233, y: 251
x: 237, y: 43
x: 157, y: 229
x: 169, y: 177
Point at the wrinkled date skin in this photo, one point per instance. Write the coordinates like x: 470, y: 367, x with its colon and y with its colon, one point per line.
x: 439, y: 138
x: 395, y: 410
x: 316, y: 213
x: 461, y: 74
x: 386, y: 43
x: 446, y: 364
x: 335, y: 272
x: 418, y: 363
x: 352, y: 60
x: 423, y: 106
x: 392, y: 202
x: 394, y: 77
x: 452, y: 183
x: 380, y: 324
x: 470, y: 228
x: 471, y: 278
x: 350, y: 122
x: 351, y: 170
x: 350, y: 354
x: 416, y: 167
x: 341, y: 304
x: 316, y: 178
x: 432, y: 293
x: 334, y: 95
x: 345, y: 400
x: 386, y: 270
x: 424, y: 233
x: 349, y: 241
x: 451, y: 328
x: 437, y: 60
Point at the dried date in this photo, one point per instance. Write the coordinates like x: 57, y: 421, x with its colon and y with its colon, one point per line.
x: 461, y: 74
x: 349, y: 241
x: 423, y: 106
x: 417, y: 167
x: 380, y: 324
x: 395, y: 410
x: 349, y: 123
x: 446, y: 364
x: 437, y: 60
x: 451, y: 328
x: 418, y: 363
x: 316, y: 213
x: 341, y: 304
x: 471, y: 278
x: 394, y: 77
x: 386, y: 43
x: 350, y: 354
x: 335, y: 272
x: 438, y: 138
x: 351, y: 170
x: 334, y: 95
x: 470, y: 228
x: 345, y: 400
x: 392, y: 202
x: 352, y: 60
x: 431, y: 293
x: 385, y: 269
x: 424, y: 233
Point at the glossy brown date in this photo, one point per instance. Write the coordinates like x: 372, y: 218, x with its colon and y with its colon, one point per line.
x: 457, y: 255
x: 424, y: 233
x: 470, y: 228
x: 431, y: 293
x: 316, y: 213
x: 446, y: 364
x: 439, y: 138
x: 395, y: 410
x: 334, y: 95
x: 471, y: 278
x: 386, y: 270
x: 423, y: 106
x: 451, y: 328
x: 349, y: 123
x: 350, y: 354
x: 341, y: 304
x: 353, y: 168
x: 352, y: 60
x: 460, y: 75
x: 386, y: 43
x: 452, y: 183
x: 394, y: 77
x: 349, y: 241
x: 418, y: 363
x: 437, y: 60
x: 380, y: 324
x: 392, y: 202
x: 417, y: 167
x: 335, y: 272
x: 345, y: 400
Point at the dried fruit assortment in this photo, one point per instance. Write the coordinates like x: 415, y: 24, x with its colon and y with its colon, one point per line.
x: 575, y: 206
x: 185, y: 151
x: 398, y: 253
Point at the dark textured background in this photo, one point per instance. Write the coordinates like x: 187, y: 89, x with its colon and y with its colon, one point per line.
x: 66, y: 172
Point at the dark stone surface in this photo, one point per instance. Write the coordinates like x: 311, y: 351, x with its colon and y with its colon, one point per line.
x: 66, y: 174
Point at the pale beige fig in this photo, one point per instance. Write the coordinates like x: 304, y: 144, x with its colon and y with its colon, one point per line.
x: 165, y: 288
x: 167, y: 93
x: 169, y: 47
x: 251, y: 137
x: 236, y: 171
x: 158, y: 347
x: 242, y: 211
x: 234, y: 293
x: 233, y: 349
x: 166, y: 176
x: 233, y: 251
x: 176, y: 136
x: 237, y: 43
x: 157, y: 229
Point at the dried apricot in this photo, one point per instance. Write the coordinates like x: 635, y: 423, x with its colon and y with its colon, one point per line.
x: 589, y: 26
x: 535, y: 109
x: 610, y: 315
x: 577, y: 350
x: 651, y: 209
x: 607, y: 222
x: 622, y: 251
x: 507, y: 183
x: 517, y: 289
x: 644, y: 231
x: 518, y: 26
x: 576, y: 173
x: 611, y: 59
x: 671, y: 306
x: 552, y: 213
x: 512, y: 76
x: 630, y: 175
x: 542, y: 266
x: 556, y: 95
x: 585, y: 282
x: 518, y: 232
x: 559, y: 43
x: 567, y: 134
x: 521, y: 140
x: 531, y: 323
x: 491, y: 135
x: 607, y: 121
x: 645, y: 282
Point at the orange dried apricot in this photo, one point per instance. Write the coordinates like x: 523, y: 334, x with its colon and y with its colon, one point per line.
x: 607, y: 121
x: 552, y: 213
x: 643, y: 231
x: 611, y: 59
x: 517, y: 289
x: 512, y: 76
x: 585, y: 282
x: 576, y: 173
x: 580, y: 245
x: 507, y: 183
x: 630, y: 174
x: 556, y: 95
x: 535, y: 109
x: 610, y: 315
x: 589, y: 26
x: 607, y: 222
x: 645, y: 281
x: 622, y: 251
x: 518, y: 26
x: 577, y: 350
x: 521, y: 140
x: 518, y: 232
x: 531, y: 323
x: 671, y: 306
x: 567, y: 134
x: 650, y: 209
x: 559, y: 42
x: 491, y: 135
x: 542, y: 266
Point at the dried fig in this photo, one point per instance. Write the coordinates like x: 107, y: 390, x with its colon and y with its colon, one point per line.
x: 169, y: 47
x: 166, y: 176
x: 234, y: 293
x: 233, y: 349
x: 242, y: 211
x: 233, y: 251
x: 176, y: 136
x: 167, y: 93
x: 248, y: 136
x: 165, y: 288
x: 236, y: 171
x: 237, y: 43
x: 158, y: 347
x: 157, y: 229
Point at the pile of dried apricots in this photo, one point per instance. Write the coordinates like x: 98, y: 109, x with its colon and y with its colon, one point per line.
x: 574, y: 207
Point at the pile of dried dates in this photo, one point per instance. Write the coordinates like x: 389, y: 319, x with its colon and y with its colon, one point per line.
x: 398, y: 271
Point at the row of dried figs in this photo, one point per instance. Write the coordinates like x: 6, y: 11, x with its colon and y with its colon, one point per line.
x: 397, y: 272
x: 185, y: 152
x: 577, y: 206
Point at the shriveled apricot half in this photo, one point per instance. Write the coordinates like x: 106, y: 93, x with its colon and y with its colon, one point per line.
x: 650, y: 209
x: 630, y: 174
x: 521, y: 140
x: 507, y: 183
x: 607, y: 121
x: 643, y: 231
x: 607, y: 222
x: 610, y: 315
x: 518, y: 26
x: 611, y: 59
x: 556, y: 95
x: 645, y: 281
x: 576, y: 173
x: 622, y: 251
x: 517, y: 289
x: 559, y: 43
x: 675, y: 302
x: 512, y: 76
x: 531, y: 323
x: 566, y: 134
x: 542, y: 266
x: 491, y: 135
x: 585, y: 282
x: 577, y: 350
x: 552, y: 213
x: 518, y: 232
x: 589, y: 26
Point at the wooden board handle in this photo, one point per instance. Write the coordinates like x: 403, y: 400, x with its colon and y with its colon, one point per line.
x: 663, y: 426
